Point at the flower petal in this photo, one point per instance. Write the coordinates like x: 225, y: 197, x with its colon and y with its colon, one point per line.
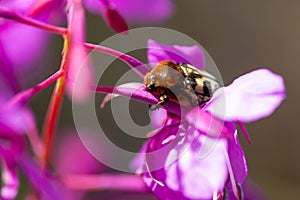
x: 208, y: 124
x: 79, y: 74
x: 139, y: 94
x: 158, y: 117
x: 186, y: 174
x: 10, y: 181
x: 115, y: 20
x: 17, y: 52
x: 64, y: 161
x: 12, y: 117
x: 24, y: 52
x: 131, y: 85
x: 188, y: 54
x: 249, y: 98
x: 137, y: 11
x: 48, y: 188
x: 237, y: 159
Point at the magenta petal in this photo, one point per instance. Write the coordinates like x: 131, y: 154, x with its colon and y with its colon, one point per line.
x: 49, y: 189
x: 237, y: 159
x: 79, y: 73
x: 249, y: 98
x: 17, y: 53
x: 132, y: 87
x: 188, y: 54
x: 209, y: 124
x: 38, y: 6
x: 158, y: 117
x: 12, y: 117
x: 64, y: 160
x: 25, y: 51
x: 136, y: 11
x: 56, y: 8
x: 195, y: 168
x: 116, y: 20
x: 10, y: 181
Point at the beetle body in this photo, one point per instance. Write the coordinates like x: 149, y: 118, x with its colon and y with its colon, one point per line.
x: 181, y: 83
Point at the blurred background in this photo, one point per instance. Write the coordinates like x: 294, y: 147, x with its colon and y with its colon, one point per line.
x: 240, y: 36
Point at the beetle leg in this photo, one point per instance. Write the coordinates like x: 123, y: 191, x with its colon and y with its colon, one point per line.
x: 163, y: 98
x: 150, y: 87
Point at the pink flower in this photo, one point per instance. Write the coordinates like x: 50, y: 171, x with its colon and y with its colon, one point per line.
x: 72, y: 158
x: 199, y: 157
x: 243, y: 101
x: 14, y: 123
x: 190, y: 170
x: 79, y: 68
x: 11, y: 129
x: 67, y: 163
x: 135, y: 11
x: 22, y: 46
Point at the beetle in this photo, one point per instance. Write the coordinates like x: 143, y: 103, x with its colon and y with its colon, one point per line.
x: 180, y: 83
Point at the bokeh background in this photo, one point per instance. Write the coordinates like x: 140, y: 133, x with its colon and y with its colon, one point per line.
x: 240, y: 36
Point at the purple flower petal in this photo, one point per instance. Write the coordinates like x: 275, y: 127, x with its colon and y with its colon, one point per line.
x: 54, y: 8
x: 24, y: 51
x: 115, y: 20
x: 132, y: 85
x: 212, y: 126
x: 195, y: 168
x: 158, y: 117
x: 188, y: 54
x: 79, y: 74
x: 65, y: 161
x: 10, y: 181
x: 18, y: 53
x: 13, y: 118
x: 136, y: 11
x: 49, y: 189
x: 237, y: 159
x: 209, y: 124
x: 139, y: 94
x: 249, y: 98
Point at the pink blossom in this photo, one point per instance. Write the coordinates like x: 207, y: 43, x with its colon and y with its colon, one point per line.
x: 244, y: 100
x: 79, y: 69
x: 171, y: 166
x: 72, y: 158
x: 23, y: 51
x: 135, y: 11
